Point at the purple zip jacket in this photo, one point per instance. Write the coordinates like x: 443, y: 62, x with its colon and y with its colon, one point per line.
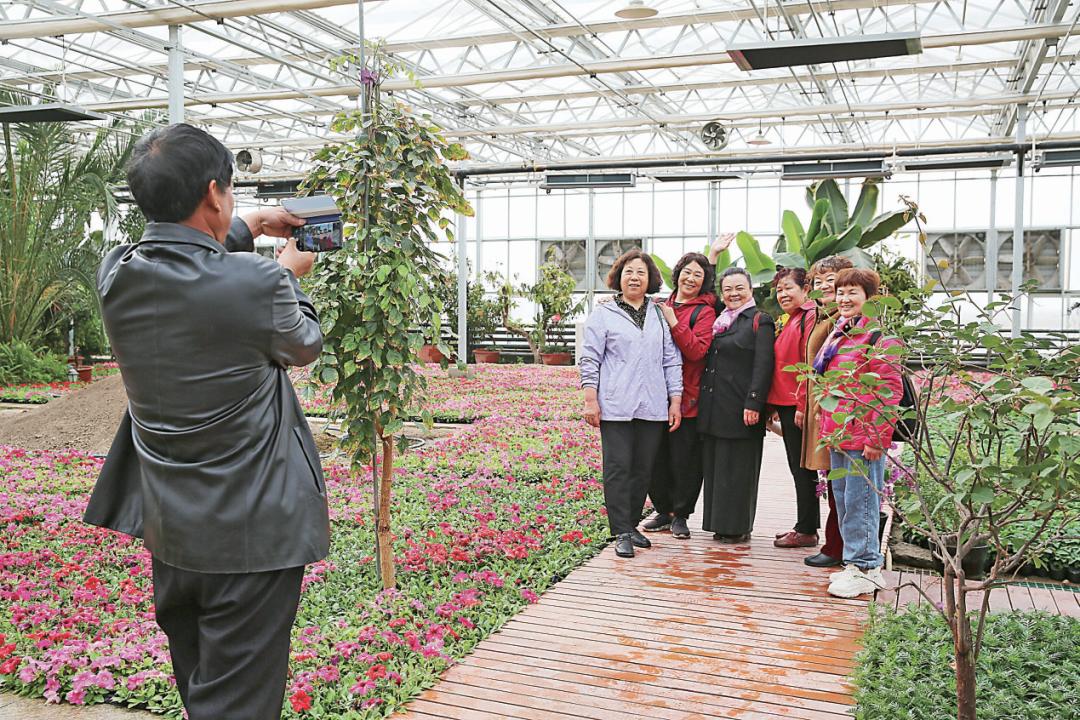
x: 635, y: 371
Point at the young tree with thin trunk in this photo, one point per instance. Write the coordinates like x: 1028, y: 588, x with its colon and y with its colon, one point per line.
x: 395, y: 191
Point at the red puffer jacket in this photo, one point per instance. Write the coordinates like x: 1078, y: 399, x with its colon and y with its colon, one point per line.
x: 870, y: 429
x: 693, y: 343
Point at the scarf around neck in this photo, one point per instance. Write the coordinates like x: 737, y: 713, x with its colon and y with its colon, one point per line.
x: 831, y: 347
x: 727, y: 316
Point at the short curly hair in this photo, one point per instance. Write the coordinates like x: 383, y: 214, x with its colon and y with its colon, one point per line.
x: 833, y: 263
x: 708, y: 285
x: 797, y: 275
x: 868, y: 280
x: 615, y: 274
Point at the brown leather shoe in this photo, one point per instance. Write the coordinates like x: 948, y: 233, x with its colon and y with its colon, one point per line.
x: 796, y: 540
x: 782, y: 533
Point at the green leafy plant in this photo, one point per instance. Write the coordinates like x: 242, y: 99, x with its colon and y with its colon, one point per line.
x: 483, y: 313
x: 1004, y: 452
x: 1028, y: 667
x: 20, y: 363
x: 553, y: 297
x: 395, y: 191
x: 833, y: 230
x: 52, y: 183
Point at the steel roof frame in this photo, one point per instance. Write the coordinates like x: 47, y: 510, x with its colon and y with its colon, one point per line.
x: 631, y: 86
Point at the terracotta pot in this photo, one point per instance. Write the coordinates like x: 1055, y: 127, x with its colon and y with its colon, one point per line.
x: 487, y: 356
x: 559, y: 358
x: 86, y: 373
x: 431, y: 354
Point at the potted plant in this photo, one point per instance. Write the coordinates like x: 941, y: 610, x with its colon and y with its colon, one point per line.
x: 483, y: 316
x: 553, y: 297
x: 488, y: 354
x: 555, y: 355
x: 429, y: 353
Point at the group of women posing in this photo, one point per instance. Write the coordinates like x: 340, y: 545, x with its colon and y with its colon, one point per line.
x: 683, y: 389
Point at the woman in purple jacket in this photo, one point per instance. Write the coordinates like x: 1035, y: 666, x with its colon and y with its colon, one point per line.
x: 631, y: 371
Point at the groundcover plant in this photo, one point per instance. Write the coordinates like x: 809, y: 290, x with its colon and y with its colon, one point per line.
x: 483, y: 523
x: 1029, y: 667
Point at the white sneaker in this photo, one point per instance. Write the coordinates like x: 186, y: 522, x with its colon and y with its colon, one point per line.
x: 845, y: 571
x: 857, y: 583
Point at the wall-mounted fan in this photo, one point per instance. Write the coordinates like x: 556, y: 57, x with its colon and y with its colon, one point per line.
x: 249, y: 161
x: 715, y: 135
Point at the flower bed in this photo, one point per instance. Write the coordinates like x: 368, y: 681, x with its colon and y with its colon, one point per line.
x: 1028, y: 667
x: 41, y: 393
x: 515, y: 390
x: 483, y: 524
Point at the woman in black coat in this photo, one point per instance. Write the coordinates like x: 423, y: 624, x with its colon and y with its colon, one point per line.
x: 731, y: 414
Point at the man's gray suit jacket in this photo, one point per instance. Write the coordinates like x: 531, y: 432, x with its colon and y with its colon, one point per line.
x: 214, y: 465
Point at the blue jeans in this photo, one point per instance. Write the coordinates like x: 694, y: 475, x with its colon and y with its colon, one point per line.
x: 858, y: 504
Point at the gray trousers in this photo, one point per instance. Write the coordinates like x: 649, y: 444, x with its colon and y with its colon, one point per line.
x: 229, y: 638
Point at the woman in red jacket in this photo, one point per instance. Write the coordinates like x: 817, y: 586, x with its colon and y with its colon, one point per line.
x: 690, y: 313
x: 790, y: 349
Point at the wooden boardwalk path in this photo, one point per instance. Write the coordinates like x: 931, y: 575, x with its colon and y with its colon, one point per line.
x: 687, y: 629
x: 1020, y: 597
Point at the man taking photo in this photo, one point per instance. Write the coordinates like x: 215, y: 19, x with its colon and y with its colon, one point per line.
x: 214, y: 465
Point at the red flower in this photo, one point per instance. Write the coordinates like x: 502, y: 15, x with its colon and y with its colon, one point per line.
x: 375, y: 672
x: 10, y: 665
x: 300, y: 701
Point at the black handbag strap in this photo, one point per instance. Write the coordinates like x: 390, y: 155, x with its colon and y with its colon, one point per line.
x: 694, y: 315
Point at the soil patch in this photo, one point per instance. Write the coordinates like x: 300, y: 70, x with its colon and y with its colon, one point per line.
x: 85, y: 419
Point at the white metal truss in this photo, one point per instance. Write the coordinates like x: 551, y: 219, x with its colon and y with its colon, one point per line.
x: 550, y: 81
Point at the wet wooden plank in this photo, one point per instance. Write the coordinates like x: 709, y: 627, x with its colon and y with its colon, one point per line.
x: 686, y: 629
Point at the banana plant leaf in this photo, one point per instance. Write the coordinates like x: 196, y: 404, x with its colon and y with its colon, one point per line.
x: 723, y: 261
x: 820, y: 248
x: 836, y: 217
x: 794, y: 235
x: 820, y: 208
x: 859, y: 257
x: 883, y: 226
x: 755, y: 258
x: 848, y: 240
x: 790, y: 259
x: 866, y: 205
x: 665, y: 271
x: 764, y: 277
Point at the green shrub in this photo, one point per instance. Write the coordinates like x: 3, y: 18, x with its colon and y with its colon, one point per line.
x: 20, y: 363
x: 1029, y: 667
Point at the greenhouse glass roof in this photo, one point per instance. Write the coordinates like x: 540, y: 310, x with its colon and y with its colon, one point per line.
x: 523, y: 82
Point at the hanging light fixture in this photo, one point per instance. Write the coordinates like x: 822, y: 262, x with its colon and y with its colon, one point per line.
x: 636, y: 10
x: 760, y: 138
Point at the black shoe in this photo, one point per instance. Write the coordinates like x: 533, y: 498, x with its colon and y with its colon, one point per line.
x: 732, y: 539
x: 658, y: 522
x: 624, y: 546
x: 679, y: 528
x: 640, y: 540
x: 822, y: 560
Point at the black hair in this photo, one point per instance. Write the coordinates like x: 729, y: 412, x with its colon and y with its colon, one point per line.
x: 708, y: 284
x: 171, y: 168
x: 615, y: 274
x: 737, y: 271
